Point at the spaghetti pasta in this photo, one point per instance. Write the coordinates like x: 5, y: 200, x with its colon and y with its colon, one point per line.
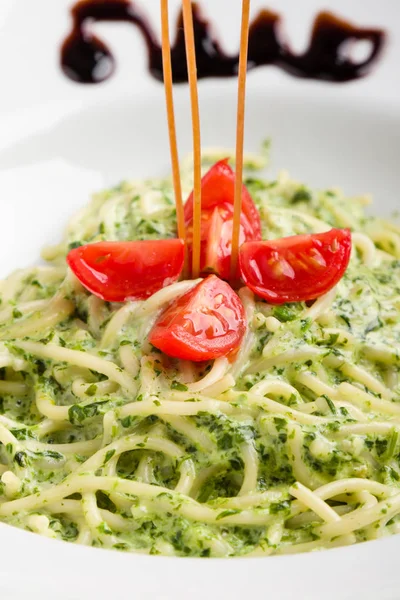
x: 292, y: 446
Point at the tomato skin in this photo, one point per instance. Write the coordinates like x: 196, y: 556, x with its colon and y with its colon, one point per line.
x: 217, y: 200
x: 297, y: 268
x: 218, y: 187
x: 205, y: 323
x: 216, y: 240
x: 119, y: 271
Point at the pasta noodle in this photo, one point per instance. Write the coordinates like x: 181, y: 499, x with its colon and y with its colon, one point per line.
x: 292, y: 446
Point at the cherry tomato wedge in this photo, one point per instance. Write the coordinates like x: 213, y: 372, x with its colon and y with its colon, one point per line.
x: 297, y: 268
x: 216, y: 240
x: 206, y: 322
x: 118, y: 271
x: 218, y: 187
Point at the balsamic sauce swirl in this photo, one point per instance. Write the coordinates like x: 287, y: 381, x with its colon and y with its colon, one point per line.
x: 86, y: 59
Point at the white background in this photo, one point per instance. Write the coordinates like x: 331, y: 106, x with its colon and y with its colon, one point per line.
x: 32, y: 30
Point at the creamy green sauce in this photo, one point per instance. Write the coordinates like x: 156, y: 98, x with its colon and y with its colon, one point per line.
x: 359, y: 329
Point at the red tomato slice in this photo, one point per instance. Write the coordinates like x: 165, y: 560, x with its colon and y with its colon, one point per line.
x: 118, y: 271
x: 205, y: 323
x: 210, y: 242
x: 216, y: 240
x: 298, y: 268
x: 218, y: 187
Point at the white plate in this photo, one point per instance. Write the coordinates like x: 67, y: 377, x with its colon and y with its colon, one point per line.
x: 70, y: 141
x: 324, y: 141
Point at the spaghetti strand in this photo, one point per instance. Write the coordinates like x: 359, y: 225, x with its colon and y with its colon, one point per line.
x: 169, y: 98
x: 244, y: 41
x: 194, y: 102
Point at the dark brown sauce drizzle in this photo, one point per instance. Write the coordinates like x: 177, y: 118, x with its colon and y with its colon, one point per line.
x: 86, y: 59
